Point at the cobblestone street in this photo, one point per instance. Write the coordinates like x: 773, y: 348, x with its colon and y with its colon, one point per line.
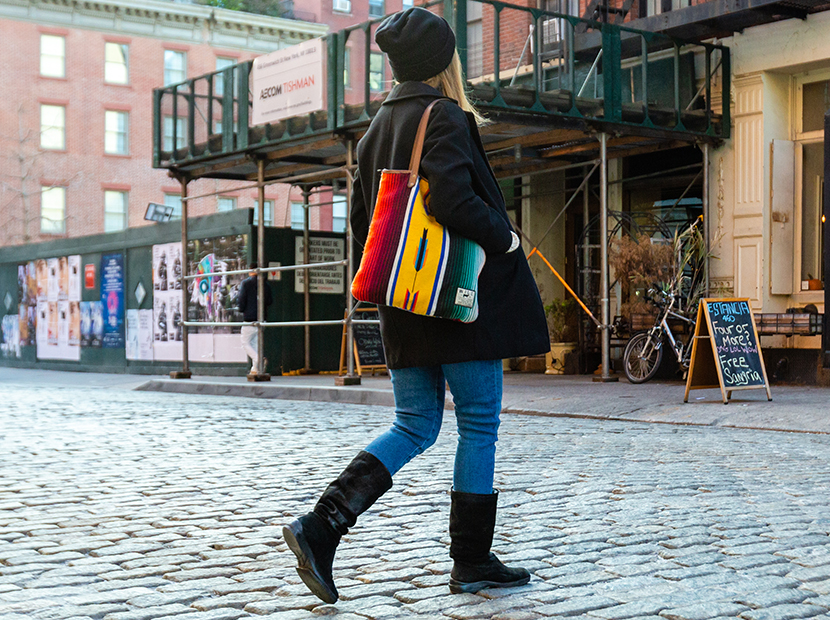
x: 122, y: 505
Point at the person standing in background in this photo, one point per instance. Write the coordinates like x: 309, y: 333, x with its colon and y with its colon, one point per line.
x: 247, y: 305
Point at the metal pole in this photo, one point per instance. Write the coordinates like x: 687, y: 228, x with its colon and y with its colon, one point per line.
x: 307, y: 280
x: 586, y: 251
x: 350, y: 378
x: 261, y: 375
x: 184, y: 373
x: 706, y: 239
x: 603, y: 244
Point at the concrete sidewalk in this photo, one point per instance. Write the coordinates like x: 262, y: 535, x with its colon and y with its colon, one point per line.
x: 793, y: 408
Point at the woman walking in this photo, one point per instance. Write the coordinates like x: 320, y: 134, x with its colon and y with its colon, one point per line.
x: 424, y: 353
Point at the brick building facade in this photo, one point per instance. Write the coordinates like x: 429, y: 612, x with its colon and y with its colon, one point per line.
x: 76, y: 116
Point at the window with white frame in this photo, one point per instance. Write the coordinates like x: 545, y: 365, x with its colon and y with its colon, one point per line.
x: 338, y: 213
x: 342, y: 6
x: 408, y: 4
x: 813, y: 102
x: 53, y: 127
x: 219, y: 78
x: 115, y: 210
x: 269, y: 213
x: 297, y: 216
x: 175, y: 67
x: 53, y: 210
x: 180, y: 132
x: 175, y: 201
x: 116, y: 69
x: 116, y: 132
x: 376, y: 8
x: 226, y: 203
x: 52, y: 55
x: 376, y: 72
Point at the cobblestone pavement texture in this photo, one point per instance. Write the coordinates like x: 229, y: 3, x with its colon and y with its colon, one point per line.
x: 121, y: 505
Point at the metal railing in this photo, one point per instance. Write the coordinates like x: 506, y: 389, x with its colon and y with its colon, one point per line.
x: 641, y: 79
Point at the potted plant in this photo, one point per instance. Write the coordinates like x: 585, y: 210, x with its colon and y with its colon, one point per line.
x: 561, y: 316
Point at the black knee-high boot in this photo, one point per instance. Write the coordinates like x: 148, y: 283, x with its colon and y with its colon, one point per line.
x: 475, y: 567
x: 314, y: 537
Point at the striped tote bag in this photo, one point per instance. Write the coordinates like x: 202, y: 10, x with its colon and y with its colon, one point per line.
x: 410, y: 261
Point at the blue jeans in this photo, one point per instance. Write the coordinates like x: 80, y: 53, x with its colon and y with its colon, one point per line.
x: 419, y: 406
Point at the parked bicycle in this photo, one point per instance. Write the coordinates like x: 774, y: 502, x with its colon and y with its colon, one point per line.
x: 644, y: 351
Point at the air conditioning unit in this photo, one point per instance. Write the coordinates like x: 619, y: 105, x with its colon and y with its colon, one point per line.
x: 344, y: 6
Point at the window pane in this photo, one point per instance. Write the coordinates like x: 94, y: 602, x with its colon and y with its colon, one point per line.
x: 376, y: 8
x: 219, y: 79
x: 181, y: 133
x: 269, y: 213
x: 115, y: 211
x: 174, y: 67
x: 52, y: 126
x: 227, y: 204
x: 376, y: 71
x: 116, y: 132
x: 338, y: 214
x: 347, y: 68
x: 115, y: 63
x: 297, y: 215
x: 175, y: 201
x: 52, y: 55
x: 812, y: 228
x: 52, y: 209
x: 815, y: 102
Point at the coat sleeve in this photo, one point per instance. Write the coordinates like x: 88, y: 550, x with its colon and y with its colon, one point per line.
x: 359, y: 214
x: 447, y: 164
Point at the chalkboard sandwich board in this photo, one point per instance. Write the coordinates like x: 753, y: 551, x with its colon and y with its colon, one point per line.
x: 368, y: 346
x: 726, y: 353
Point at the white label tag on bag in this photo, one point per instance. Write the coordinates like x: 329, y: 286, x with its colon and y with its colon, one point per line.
x: 465, y: 297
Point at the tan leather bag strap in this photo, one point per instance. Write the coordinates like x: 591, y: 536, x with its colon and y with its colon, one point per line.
x: 415, y: 160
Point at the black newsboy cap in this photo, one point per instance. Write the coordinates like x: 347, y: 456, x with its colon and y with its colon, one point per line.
x: 419, y: 44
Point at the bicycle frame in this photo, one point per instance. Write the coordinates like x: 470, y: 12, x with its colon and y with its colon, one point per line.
x: 680, y: 352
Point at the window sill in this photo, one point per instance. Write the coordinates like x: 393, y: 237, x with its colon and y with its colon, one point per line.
x: 118, y: 155
x: 54, y: 77
x: 116, y: 84
x: 48, y: 150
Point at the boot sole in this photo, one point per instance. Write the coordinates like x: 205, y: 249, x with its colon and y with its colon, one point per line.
x: 458, y: 587
x: 306, y: 569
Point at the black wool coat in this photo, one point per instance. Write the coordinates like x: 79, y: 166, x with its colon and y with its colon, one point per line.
x: 465, y: 197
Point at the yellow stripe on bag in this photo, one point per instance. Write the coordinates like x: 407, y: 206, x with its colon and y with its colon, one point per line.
x: 422, y: 257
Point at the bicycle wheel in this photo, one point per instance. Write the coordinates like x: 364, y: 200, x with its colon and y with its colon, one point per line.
x: 642, y: 357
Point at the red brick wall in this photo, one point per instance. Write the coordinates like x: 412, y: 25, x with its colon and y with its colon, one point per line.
x: 83, y: 168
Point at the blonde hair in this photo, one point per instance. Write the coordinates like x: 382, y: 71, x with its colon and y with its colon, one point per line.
x: 451, y: 84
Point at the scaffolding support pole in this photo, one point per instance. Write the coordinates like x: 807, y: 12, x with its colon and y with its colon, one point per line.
x: 604, y: 275
x: 260, y: 375
x: 184, y: 373
x: 350, y: 378
x: 706, y: 239
x: 306, y: 283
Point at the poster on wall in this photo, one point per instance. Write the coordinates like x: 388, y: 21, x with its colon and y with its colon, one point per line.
x: 92, y: 324
x: 52, y: 296
x: 323, y: 279
x: 27, y: 303
x: 214, y: 299
x: 167, y: 302
x: 131, y: 335
x: 145, y: 335
x: 112, y: 299
x: 10, y: 336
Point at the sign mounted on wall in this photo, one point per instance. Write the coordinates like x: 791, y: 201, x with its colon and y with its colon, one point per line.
x: 726, y: 352
x: 288, y: 82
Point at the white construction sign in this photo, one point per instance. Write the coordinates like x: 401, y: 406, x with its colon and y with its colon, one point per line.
x: 288, y: 82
